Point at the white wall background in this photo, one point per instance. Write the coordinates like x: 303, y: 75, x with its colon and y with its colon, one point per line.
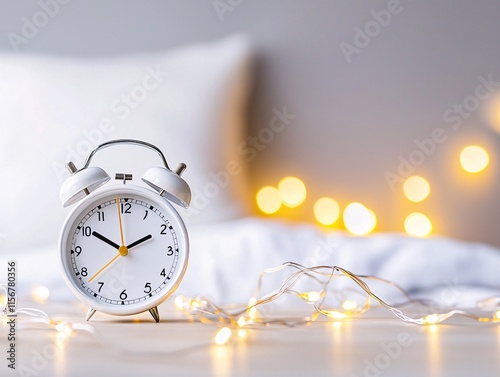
x: 354, y: 120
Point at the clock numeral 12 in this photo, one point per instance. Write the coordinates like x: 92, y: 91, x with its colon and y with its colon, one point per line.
x: 125, y: 207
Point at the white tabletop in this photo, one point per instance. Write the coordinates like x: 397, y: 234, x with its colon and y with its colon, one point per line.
x: 369, y: 347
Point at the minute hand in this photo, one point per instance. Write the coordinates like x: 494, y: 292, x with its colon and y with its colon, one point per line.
x: 143, y: 239
x: 107, y: 240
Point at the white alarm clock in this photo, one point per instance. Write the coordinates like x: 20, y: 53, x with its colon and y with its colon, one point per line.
x: 124, y: 248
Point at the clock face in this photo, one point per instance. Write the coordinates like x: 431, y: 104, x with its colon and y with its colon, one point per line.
x: 124, y: 250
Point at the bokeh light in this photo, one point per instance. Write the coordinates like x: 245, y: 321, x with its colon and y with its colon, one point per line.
x: 358, y: 219
x: 223, y: 336
x: 416, y: 188
x: 268, y: 199
x: 292, y: 191
x: 491, y: 113
x: 326, y: 211
x: 474, y: 158
x: 40, y: 293
x: 350, y: 305
x: 418, y: 225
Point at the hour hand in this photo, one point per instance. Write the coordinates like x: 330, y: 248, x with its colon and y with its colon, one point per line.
x: 107, y: 240
x: 143, y: 239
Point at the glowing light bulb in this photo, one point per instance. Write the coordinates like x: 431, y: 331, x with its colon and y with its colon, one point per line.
x: 252, y: 311
x: 243, y: 334
x: 40, y: 293
x: 3, y: 300
x: 64, y: 328
x: 269, y: 200
x: 292, y: 191
x: 418, y: 225
x: 416, y: 188
x: 180, y: 302
x: 222, y: 336
x: 349, y: 305
x: 334, y: 314
x: 496, y: 315
x: 241, y: 321
x: 433, y: 319
x: 474, y: 159
x: 326, y: 211
x: 358, y: 219
x: 311, y: 296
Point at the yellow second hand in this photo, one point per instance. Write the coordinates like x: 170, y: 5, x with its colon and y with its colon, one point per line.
x: 106, y: 265
x: 120, y: 219
x: 123, y: 250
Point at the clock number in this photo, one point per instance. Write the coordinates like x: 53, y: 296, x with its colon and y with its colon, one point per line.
x: 170, y: 251
x: 147, y: 288
x: 123, y: 295
x: 100, y: 285
x: 84, y: 271
x: 163, y: 229
x: 78, y: 250
x: 145, y: 215
x: 126, y: 207
x: 162, y: 273
x: 87, y: 231
x: 100, y: 215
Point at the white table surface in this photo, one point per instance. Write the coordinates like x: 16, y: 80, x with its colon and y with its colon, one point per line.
x: 372, y: 346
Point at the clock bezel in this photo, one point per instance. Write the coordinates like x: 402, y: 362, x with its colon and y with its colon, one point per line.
x: 87, y: 204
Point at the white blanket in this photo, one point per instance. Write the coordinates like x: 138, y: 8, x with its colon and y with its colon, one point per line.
x: 226, y: 260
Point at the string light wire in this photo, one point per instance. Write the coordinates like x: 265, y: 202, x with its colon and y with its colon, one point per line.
x: 235, y: 319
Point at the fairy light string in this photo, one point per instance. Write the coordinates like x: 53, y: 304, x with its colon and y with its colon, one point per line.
x: 236, y: 319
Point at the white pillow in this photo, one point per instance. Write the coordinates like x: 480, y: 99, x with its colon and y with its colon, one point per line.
x: 189, y: 102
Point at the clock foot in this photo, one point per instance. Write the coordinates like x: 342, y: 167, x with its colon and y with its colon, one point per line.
x: 155, y: 314
x: 90, y: 313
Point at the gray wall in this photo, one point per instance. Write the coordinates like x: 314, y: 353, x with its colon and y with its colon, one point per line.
x: 354, y: 120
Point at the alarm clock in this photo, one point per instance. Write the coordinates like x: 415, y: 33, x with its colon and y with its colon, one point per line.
x: 124, y: 248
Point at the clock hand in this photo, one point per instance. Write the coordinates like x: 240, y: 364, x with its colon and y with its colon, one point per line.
x: 120, y: 250
x: 107, y: 240
x: 120, y: 219
x: 106, y: 265
x: 143, y: 239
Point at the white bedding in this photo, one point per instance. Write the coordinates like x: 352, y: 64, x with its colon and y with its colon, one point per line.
x: 227, y: 258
